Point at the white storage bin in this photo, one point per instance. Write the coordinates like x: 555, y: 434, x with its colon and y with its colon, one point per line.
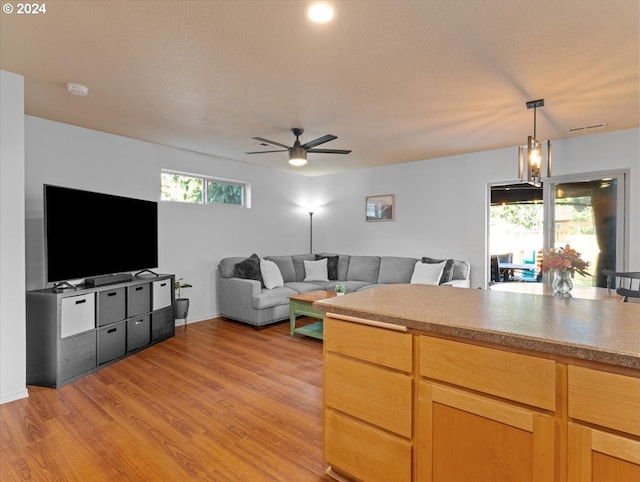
x: 78, y: 314
x: 162, y: 294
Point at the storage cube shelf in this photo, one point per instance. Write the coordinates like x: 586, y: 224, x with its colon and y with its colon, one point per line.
x: 72, y: 333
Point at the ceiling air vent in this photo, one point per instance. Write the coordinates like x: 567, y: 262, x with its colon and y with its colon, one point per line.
x: 589, y: 128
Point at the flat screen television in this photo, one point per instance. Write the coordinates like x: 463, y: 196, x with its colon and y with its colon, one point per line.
x: 93, y: 234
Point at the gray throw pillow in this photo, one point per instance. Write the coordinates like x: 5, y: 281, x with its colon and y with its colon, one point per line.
x: 447, y: 272
x: 249, y: 268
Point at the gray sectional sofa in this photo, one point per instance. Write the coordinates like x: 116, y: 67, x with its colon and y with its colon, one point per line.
x: 243, y: 297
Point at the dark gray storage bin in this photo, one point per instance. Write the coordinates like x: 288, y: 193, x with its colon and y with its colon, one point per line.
x: 112, y: 306
x: 77, y: 355
x: 138, y: 332
x: 162, y: 324
x: 112, y: 342
x: 138, y: 300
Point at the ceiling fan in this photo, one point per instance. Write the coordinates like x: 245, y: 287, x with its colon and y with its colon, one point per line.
x: 298, y: 152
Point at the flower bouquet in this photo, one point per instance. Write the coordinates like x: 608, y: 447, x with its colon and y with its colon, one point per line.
x: 564, y: 262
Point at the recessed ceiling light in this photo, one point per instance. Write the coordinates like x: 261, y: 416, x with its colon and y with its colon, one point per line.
x: 77, y: 89
x: 320, y: 13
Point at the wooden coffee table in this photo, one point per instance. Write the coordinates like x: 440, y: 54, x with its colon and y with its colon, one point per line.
x: 301, y: 304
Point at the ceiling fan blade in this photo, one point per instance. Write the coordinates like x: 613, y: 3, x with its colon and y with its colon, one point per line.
x: 262, y: 139
x: 267, y: 152
x: 330, y: 151
x: 318, y: 141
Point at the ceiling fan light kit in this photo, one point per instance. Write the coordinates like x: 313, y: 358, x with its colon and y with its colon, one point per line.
x: 298, y: 152
x: 531, y: 171
x: 297, y: 156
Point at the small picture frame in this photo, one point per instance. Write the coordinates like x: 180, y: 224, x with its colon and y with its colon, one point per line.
x: 380, y: 207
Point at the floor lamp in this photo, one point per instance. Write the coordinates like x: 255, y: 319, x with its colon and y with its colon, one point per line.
x: 310, y: 232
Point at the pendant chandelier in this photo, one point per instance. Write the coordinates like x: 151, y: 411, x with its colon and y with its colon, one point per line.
x: 530, y: 157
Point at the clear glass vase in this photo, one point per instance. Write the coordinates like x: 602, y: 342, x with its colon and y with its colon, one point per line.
x: 562, y: 284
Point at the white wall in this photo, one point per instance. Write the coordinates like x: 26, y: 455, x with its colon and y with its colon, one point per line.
x: 192, y: 238
x: 441, y: 203
x: 440, y: 207
x: 12, y: 238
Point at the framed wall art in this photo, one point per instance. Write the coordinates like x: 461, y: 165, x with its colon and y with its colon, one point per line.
x: 380, y: 207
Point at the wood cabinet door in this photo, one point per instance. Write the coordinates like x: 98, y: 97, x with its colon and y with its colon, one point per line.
x: 597, y: 456
x: 463, y: 436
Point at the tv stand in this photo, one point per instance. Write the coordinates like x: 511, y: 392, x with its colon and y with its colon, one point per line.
x: 153, y: 273
x: 70, y: 334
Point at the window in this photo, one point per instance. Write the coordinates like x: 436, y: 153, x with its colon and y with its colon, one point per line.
x: 191, y: 188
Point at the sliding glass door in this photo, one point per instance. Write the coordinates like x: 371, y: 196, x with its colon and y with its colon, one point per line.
x: 588, y: 213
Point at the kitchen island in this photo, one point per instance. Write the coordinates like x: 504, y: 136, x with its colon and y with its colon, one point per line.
x: 444, y: 384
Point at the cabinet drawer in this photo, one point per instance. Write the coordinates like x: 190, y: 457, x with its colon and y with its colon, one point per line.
x: 111, y: 306
x: 77, y: 314
x: 77, y: 355
x: 138, y: 300
x: 375, y: 345
x: 522, y: 378
x: 364, y: 452
x: 138, y: 332
x: 112, y: 342
x: 162, y: 294
x: 368, y: 392
x: 605, y: 399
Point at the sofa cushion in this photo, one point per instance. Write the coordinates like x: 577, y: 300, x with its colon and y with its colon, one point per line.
x: 395, y: 269
x: 427, y: 273
x: 271, y: 276
x: 316, y: 270
x: 298, y: 264
x: 363, y: 268
x: 447, y: 273
x: 332, y: 265
x: 285, y: 263
x: 304, y: 286
x: 269, y: 298
x: 249, y: 268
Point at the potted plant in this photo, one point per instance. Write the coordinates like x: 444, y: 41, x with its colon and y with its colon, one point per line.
x: 341, y: 289
x: 181, y: 307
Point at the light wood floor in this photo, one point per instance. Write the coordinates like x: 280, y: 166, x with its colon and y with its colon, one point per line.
x: 221, y: 401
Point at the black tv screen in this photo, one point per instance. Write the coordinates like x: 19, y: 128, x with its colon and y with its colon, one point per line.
x: 91, y: 234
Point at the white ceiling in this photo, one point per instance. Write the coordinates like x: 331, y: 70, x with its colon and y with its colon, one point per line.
x: 396, y: 81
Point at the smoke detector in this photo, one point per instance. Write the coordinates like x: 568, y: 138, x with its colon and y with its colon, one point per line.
x: 77, y: 89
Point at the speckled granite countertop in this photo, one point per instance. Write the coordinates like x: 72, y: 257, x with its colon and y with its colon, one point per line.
x: 602, y: 331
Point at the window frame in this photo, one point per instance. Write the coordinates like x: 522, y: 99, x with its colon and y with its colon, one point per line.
x: 622, y: 228
x: 206, y: 180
